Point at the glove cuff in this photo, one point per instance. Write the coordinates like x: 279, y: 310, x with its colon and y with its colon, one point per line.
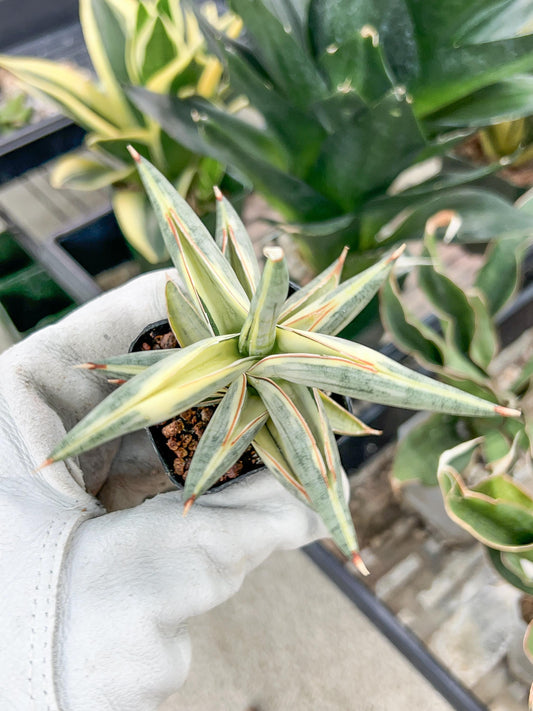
x: 31, y: 570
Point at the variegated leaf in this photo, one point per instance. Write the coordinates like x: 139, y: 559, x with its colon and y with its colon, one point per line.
x: 322, y: 284
x: 169, y: 387
x: 236, y: 421
x: 205, y: 274
x: 336, y: 365
x: 258, y: 333
x: 188, y: 325
x: 267, y: 445
x: 128, y: 364
x: 342, y: 421
x: 106, y: 24
x: 235, y: 244
x: 332, y: 312
x: 75, y: 93
x: 301, y: 430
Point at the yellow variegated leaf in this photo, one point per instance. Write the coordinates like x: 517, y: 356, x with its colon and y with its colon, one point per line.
x: 169, y: 387
x: 332, y: 312
x: 204, y: 272
x: 188, y: 325
x: 336, y: 365
x: 236, y: 421
x: 342, y: 421
x: 76, y: 94
x: 309, y: 446
x: 128, y: 364
x: 322, y: 284
x: 267, y: 445
x: 106, y: 24
x: 235, y: 244
x: 138, y: 225
x: 259, y: 330
x: 81, y: 172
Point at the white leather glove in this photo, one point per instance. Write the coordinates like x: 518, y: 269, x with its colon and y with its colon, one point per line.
x: 94, y: 603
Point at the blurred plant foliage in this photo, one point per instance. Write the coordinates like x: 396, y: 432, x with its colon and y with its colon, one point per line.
x: 473, y: 461
x: 14, y: 113
x: 347, y: 96
x: 156, y: 44
x: 459, y: 347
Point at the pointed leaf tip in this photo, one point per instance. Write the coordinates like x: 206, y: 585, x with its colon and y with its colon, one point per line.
x: 218, y: 193
x: 45, y: 464
x: 507, y: 411
x: 134, y: 154
x: 359, y: 564
x: 90, y: 366
x: 187, y: 505
x: 397, y: 253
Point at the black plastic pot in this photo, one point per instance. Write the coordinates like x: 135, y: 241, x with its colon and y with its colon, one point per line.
x: 157, y: 439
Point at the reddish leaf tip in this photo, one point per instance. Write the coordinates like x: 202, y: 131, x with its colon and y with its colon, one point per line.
x: 359, y: 563
x: 218, y: 193
x: 46, y: 463
x: 397, y: 253
x: 187, y: 505
x: 507, y: 411
x: 116, y: 381
x: 134, y: 154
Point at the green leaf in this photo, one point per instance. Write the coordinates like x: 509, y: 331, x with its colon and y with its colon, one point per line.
x: 506, y: 565
x: 356, y: 160
x: 504, y: 101
x: 280, y: 54
x: 498, y: 277
x: 407, y: 331
x: 497, y: 511
x: 484, y: 343
x: 258, y: 333
x: 222, y: 139
x: 169, y: 387
x: 236, y: 421
x: 451, y: 75
x: 417, y: 454
x: 451, y: 304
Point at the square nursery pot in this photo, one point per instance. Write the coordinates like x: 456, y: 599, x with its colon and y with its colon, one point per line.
x: 159, y: 441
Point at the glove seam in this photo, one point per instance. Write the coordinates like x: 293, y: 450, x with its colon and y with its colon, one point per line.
x: 42, y: 672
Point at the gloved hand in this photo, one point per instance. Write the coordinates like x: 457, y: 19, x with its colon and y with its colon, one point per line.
x: 94, y: 602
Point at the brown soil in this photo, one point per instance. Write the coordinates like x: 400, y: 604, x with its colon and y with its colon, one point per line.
x: 177, y: 439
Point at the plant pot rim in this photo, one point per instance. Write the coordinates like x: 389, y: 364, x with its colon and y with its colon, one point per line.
x: 169, y: 471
